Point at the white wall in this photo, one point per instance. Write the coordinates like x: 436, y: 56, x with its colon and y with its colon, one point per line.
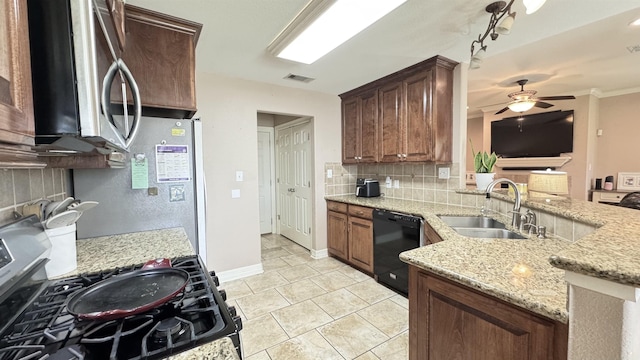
x: 228, y: 108
x: 619, y: 121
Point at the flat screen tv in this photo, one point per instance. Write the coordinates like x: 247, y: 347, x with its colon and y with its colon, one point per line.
x: 537, y: 135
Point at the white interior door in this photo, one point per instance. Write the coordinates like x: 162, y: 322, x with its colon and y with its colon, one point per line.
x: 294, y: 174
x: 265, y: 192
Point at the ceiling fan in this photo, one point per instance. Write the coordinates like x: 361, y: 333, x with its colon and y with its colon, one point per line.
x: 524, y: 100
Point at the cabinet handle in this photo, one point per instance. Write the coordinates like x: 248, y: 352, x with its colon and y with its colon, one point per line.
x: 355, y: 158
x: 399, y: 155
x: 404, y: 155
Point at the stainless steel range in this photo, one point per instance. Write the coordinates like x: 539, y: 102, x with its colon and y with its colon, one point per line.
x: 35, y: 322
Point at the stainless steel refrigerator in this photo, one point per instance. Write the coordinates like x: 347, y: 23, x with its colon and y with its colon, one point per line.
x: 174, y: 196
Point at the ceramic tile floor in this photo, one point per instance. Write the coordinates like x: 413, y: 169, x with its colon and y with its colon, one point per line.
x: 301, y: 308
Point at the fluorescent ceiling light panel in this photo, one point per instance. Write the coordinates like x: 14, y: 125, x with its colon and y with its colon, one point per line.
x: 340, y: 22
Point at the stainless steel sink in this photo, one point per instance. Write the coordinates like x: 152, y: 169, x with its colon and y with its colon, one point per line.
x: 472, y: 222
x: 479, y: 227
x: 487, y: 233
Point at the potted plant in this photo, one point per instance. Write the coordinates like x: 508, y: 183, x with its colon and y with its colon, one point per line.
x: 483, y: 165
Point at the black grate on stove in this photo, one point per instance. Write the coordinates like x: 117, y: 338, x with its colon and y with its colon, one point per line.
x: 194, y: 317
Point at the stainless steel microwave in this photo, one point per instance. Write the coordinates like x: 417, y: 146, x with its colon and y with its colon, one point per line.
x: 75, y: 62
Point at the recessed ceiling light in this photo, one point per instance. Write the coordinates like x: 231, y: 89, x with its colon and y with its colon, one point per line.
x: 635, y: 22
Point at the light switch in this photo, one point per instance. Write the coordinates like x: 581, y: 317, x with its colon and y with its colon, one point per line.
x: 329, y: 173
x: 239, y: 176
x: 235, y: 193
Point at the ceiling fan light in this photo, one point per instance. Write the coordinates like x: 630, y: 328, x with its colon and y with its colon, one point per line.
x: 521, y: 105
x: 505, y: 26
x: 533, y: 5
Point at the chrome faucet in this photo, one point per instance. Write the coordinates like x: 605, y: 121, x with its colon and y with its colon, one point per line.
x: 515, y: 220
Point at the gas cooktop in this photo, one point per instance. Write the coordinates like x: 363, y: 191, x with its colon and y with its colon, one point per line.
x: 46, y: 330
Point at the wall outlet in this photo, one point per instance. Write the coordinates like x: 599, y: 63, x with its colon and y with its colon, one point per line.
x: 235, y: 193
x: 329, y: 173
x: 444, y: 173
x: 470, y: 177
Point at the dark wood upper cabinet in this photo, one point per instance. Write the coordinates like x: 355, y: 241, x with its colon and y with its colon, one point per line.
x: 160, y: 51
x: 17, y: 128
x: 360, y: 128
x: 414, y: 117
x: 389, y: 121
x: 350, y: 130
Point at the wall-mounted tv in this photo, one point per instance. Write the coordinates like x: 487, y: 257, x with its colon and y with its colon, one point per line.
x: 536, y: 135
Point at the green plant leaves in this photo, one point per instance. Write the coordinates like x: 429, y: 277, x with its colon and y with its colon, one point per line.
x: 483, y: 162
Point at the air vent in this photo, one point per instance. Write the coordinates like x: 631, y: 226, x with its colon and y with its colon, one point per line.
x: 299, y: 78
x: 634, y: 48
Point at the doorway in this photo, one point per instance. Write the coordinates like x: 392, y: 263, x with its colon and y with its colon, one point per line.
x: 266, y: 174
x: 285, y: 176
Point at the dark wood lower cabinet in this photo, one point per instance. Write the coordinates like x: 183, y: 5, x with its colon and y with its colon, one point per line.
x: 448, y: 321
x: 361, y: 243
x: 350, y: 234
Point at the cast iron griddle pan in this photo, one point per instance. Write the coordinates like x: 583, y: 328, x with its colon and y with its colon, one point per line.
x: 129, y: 293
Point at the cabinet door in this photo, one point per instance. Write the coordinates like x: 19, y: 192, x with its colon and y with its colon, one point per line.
x: 361, y: 243
x: 369, y: 127
x: 449, y: 321
x: 160, y: 52
x: 430, y: 235
x: 417, y: 136
x: 390, y: 118
x: 350, y: 133
x: 337, y: 234
x: 16, y: 101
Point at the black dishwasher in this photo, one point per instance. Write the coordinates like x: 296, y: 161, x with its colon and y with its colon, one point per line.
x: 394, y: 233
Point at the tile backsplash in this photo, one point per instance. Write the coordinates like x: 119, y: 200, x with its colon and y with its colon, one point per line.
x: 417, y: 182
x: 21, y: 186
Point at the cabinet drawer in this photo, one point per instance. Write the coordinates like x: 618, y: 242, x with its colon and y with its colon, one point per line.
x: 361, y: 211
x: 337, y: 206
x: 611, y: 196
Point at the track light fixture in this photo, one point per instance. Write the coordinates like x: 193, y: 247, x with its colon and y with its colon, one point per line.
x: 498, y: 11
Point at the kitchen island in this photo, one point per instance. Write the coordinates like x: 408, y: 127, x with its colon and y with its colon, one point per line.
x: 596, y: 255
x: 107, y: 252
x: 516, y: 271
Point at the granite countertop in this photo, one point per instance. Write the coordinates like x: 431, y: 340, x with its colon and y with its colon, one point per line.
x: 528, y: 273
x: 113, y: 251
x: 516, y: 271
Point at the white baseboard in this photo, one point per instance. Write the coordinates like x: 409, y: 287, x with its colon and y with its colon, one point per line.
x: 319, y: 254
x: 239, y: 273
